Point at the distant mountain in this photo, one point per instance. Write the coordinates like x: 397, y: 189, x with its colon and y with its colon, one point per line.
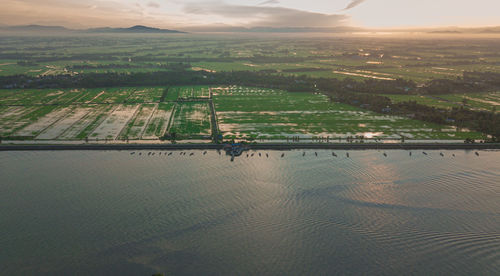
x: 58, y: 29
x: 135, y: 29
x: 140, y: 29
x: 34, y: 28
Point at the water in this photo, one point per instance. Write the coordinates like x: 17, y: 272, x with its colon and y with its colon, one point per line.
x: 112, y: 213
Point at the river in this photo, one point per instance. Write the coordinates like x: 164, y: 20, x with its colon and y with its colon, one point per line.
x: 117, y: 213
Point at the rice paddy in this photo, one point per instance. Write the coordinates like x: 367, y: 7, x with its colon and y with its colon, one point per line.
x: 132, y: 114
x: 91, y: 114
x: 270, y: 114
x: 191, y: 120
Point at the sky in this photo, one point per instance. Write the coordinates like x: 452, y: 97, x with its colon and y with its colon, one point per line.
x: 180, y: 14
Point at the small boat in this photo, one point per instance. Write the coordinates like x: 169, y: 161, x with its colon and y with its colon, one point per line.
x: 410, y: 153
x: 159, y: 153
x: 205, y: 152
x: 453, y: 155
x: 477, y: 153
x: 132, y: 153
x: 260, y: 154
x: 304, y: 153
x: 267, y: 155
x: 140, y: 153
x: 149, y: 153
x: 316, y: 153
x: 181, y: 153
x: 385, y: 154
x: 441, y: 154
x: 334, y: 154
x: 425, y: 153
x: 252, y: 155
x: 347, y: 154
x: 169, y: 153
x: 282, y: 155
x: 192, y: 153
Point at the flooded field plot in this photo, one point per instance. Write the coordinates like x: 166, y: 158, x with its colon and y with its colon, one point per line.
x: 112, y: 95
x: 136, y: 126
x: 252, y: 112
x: 58, y: 128
x: 12, y: 119
x: 190, y: 92
x: 191, y: 119
x: 145, y: 95
x: 158, y: 123
x: 113, y: 124
x: 35, y: 96
x: 84, y: 127
x: 44, y: 122
x: 80, y: 96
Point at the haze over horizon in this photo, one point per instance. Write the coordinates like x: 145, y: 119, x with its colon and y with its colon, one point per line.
x: 176, y: 14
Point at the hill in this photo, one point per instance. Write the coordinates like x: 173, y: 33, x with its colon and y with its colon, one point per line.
x: 134, y: 29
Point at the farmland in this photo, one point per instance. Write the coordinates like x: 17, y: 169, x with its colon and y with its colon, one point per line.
x: 265, y: 113
x: 99, y: 114
x: 332, y: 57
x: 191, y: 119
x: 193, y: 99
x: 241, y: 113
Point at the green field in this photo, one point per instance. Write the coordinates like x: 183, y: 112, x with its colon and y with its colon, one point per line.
x: 191, y: 120
x: 359, y: 57
x: 149, y: 112
x: 242, y: 112
x: 264, y: 113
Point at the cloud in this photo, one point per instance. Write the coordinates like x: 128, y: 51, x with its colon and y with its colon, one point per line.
x: 153, y: 5
x: 255, y: 16
x: 353, y: 4
x: 82, y: 14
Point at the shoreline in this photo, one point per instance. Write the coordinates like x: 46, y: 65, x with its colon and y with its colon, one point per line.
x: 263, y: 146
